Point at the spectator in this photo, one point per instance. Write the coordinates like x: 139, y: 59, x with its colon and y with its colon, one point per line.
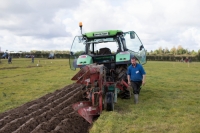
x: 9, y: 59
x: 32, y: 58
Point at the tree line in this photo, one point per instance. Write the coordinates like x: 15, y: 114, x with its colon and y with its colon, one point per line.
x: 160, y: 54
x: 173, y: 51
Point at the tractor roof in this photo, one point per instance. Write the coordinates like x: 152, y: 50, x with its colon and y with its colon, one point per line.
x: 105, y: 33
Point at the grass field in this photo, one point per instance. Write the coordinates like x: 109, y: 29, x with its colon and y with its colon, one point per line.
x: 169, y: 102
x: 24, y: 81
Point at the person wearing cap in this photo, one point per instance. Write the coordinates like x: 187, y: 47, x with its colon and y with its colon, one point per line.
x: 136, y: 77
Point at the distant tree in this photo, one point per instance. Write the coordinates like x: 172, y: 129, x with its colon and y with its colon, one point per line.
x: 186, y: 51
x: 179, y: 50
x: 151, y: 52
x: 38, y: 52
x: 156, y: 51
x: 193, y: 52
x: 173, y: 50
x: 160, y: 50
x: 166, y: 51
x: 78, y: 53
x: 199, y: 51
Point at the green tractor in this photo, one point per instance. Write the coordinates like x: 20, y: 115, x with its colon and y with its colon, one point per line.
x: 103, y: 58
x: 113, y: 48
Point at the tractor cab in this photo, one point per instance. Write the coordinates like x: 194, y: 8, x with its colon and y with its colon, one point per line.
x: 110, y: 48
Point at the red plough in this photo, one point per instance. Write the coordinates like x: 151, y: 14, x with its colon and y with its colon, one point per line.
x: 98, y: 91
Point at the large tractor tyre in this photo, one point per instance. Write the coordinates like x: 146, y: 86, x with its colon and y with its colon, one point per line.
x: 121, y: 72
x: 109, y: 101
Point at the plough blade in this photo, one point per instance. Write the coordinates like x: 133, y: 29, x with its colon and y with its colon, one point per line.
x: 86, y: 110
x: 88, y: 113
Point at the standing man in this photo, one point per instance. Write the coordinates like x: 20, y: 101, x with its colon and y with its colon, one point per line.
x: 9, y: 59
x: 32, y: 56
x: 136, y: 77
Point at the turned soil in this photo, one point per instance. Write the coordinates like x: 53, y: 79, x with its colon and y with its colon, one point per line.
x: 51, y: 113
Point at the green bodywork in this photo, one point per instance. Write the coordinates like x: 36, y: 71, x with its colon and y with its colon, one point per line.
x: 123, y: 56
x: 105, y: 58
x: 84, y: 61
x: 110, y: 33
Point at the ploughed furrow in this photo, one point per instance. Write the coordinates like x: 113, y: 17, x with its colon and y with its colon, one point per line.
x: 49, y: 115
x: 54, y: 121
x: 31, y: 106
x: 74, y: 120
x: 41, y: 100
x: 38, y: 104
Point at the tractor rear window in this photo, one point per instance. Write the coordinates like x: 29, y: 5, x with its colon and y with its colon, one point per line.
x: 103, y: 45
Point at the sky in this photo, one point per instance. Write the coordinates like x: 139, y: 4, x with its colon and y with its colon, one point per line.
x: 27, y: 25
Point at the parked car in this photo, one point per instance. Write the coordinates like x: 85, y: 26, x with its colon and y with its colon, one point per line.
x: 51, y: 56
x: 5, y: 55
x: 28, y: 56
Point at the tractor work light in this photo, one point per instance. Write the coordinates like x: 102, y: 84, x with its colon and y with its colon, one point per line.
x: 80, y: 24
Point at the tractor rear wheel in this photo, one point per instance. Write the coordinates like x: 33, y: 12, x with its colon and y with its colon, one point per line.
x: 121, y: 72
x: 109, y: 101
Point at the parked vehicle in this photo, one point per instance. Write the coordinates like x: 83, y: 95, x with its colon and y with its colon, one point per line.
x: 5, y: 55
x: 28, y: 56
x: 51, y: 56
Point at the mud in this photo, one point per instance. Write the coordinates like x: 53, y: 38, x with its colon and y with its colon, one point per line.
x: 51, y: 113
x: 8, y: 68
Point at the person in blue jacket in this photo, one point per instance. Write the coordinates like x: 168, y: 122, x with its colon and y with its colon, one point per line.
x: 136, y: 77
x: 9, y: 59
x: 32, y: 56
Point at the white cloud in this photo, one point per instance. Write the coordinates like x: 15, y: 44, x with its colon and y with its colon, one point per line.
x: 52, y: 24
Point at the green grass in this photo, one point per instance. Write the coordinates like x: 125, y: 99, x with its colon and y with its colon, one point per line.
x: 169, y: 102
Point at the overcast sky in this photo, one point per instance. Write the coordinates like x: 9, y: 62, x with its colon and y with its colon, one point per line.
x: 27, y: 25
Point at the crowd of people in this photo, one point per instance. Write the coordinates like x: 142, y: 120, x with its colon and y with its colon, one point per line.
x: 186, y: 60
x: 10, y: 59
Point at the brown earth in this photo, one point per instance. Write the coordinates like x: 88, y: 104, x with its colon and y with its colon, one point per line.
x: 9, y: 68
x: 51, y: 113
